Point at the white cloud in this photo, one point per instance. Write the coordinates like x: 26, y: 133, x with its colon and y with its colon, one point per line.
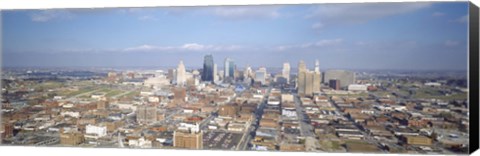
x: 47, y: 15
x: 450, y: 43
x: 201, y: 47
x: 320, y: 43
x: 329, y: 14
x: 437, y: 14
x: 247, y: 12
x: 147, y: 47
x: 184, y: 47
x: 463, y: 19
x: 147, y: 18
x: 194, y: 46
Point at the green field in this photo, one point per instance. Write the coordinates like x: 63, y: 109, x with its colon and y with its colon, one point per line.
x: 431, y: 93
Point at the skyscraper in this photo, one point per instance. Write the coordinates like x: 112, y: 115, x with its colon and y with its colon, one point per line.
x: 317, y: 66
x: 181, y: 77
x: 286, y: 71
x: 229, y: 68
x: 215, y: 73
x: 308, y: 82
x: 302, y: 68
x: 208, y: 68
x: 261, y: 75
x: 247, y: 75
x: 317, y: 78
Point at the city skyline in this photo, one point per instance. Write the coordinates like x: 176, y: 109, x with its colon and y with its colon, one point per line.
x: 385, y: 39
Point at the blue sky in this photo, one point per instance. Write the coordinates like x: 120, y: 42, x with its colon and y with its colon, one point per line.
x: 354, y: 36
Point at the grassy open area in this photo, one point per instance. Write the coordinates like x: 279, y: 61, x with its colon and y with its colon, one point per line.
x: 330, y: 145
x: 47, y: 85
x: 431, y: 93
x: 80, y: 91
x: 113, y: 93
x: 360, y: 146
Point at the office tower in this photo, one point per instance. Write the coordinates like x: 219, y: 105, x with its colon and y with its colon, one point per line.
x: 146, y: 114
x: 248, y: 72
x: 346, y: 77
x: 309, y: 76
x: 334, y: 84
x: 308, y: 82
x: 181, y: 75
x: 286, y: 71
x: 229, y: 68
x: 215, y: 73
x: 261, y: 75
x: 208, y: 69
x: 186, y: 139
x: 317, y: 78
x: 302, y: 68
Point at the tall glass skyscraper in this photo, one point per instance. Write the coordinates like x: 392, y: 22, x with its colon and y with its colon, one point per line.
x: 207, y: 74
x: 229, y: 68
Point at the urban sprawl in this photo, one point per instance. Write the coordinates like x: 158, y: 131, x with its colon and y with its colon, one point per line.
x: 278, y: 109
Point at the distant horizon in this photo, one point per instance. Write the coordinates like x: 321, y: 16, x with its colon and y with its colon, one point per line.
x: 292, y: 68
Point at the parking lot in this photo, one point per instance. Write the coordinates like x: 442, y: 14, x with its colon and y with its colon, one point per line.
x: 221, y: 140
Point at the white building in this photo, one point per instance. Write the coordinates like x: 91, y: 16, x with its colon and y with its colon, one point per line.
x: 93, y: 131
x: 181, y: 76
x: 261, y: 75
x: 432, y: 84
x: 140, y: 143
x: 357, y: 87
x: 286, y: 71
x: 71, y: 114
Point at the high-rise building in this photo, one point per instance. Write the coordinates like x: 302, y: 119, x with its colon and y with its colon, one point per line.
x: 334, y: 84
x: 248, y: 73
x: 181, y: 74
x: 146, y: 114
x: 208, y: 69
x: 261, y: 75
x: 229, y: 68
x: 317, y: 66
x: 286, y: 71
x: 189, y: 140
x: 302, y: 68
x: 215, y: 73
x: 317, y: 77
x: 346, y: 77
x: 308, y: 82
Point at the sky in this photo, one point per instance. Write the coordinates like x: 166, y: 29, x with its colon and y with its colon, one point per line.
x: 412, y: 36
